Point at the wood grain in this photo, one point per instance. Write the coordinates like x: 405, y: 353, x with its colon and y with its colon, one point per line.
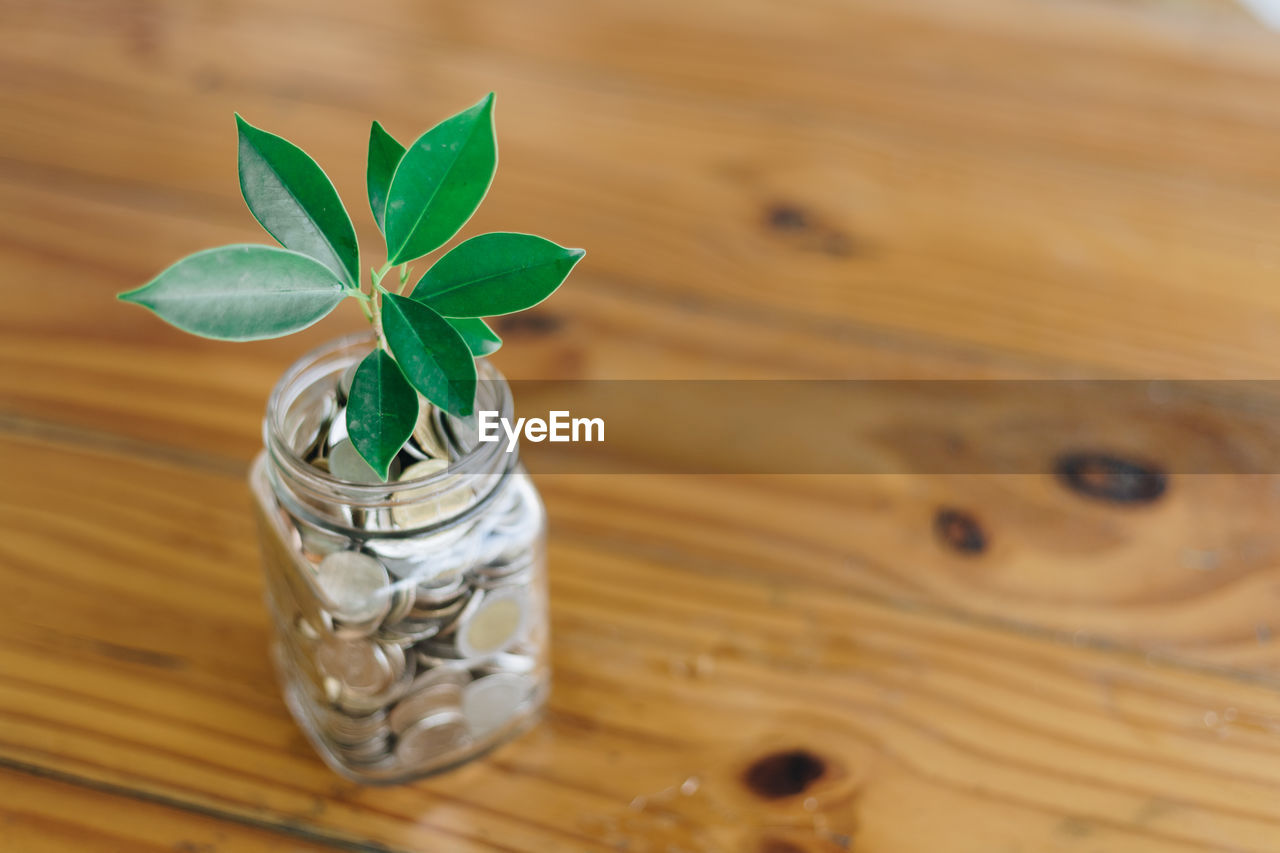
x: 816, y: 189
x: 43, y: 813
x: 136, y: 661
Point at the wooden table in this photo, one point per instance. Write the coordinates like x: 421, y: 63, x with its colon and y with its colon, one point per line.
x: 820, y: 188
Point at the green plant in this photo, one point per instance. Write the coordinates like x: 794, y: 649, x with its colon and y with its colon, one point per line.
x: 421, y: 196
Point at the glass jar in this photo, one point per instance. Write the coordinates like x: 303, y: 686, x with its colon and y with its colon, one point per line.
x: 410, y: 617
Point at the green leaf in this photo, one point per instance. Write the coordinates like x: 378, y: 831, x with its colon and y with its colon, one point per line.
x: 432, y: 354
x: 384, y: 155
x: 480, y: 339
x: 495, y: 274
x: 292, y: 197
x: 241, y: 293
x: 382, y: 410
x: 440, y: 182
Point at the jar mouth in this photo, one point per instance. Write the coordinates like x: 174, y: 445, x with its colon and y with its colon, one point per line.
x: 324, y: 364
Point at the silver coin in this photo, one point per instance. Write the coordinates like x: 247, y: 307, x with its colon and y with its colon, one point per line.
x: 407, y: 634
x: 429, y: 740
x: 355, y: 586
x: 424, y: 622
x: 421, y: 704
x: 426, y: 433
x: 426, y: 557
x: 350, y: 735
x: 411, y: 452
x: 360, y: 666
x: 490, y: 702
x: 495, y: 574
x: 308, y: 439
x: 430, y: 599
x: 518, y: 663
x: 361, y: 703
x: 429, y: 505
x: 443, y: 619
x: 512, y: 545
x: 463, y: 432
x: 345, y: 463
x: 337, y: 432
x: 288, y: 577
x: 449, y: 673
x: 401, y: 606
x: 317, y: 542
x: 491, y: 621
x: 431, y: 654
x: 344, y: 381
x: 349, y: 729
x: 369, y: 752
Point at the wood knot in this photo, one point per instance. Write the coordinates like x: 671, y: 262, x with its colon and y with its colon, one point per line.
x: 807, y: 232
x: 787, y: 217
x: 783, y: 774
x: 1109, y: 478
x: 960, y: 531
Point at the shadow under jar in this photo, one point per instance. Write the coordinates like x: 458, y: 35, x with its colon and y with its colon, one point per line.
x: 410, y: 617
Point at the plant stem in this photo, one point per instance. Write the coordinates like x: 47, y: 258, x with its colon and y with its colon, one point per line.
x: 379, y: 273
x: 373, y: 310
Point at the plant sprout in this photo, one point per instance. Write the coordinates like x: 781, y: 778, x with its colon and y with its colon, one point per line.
x: 428, y: 338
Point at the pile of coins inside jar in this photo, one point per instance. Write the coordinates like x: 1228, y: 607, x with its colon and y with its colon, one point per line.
x: 410, y: 636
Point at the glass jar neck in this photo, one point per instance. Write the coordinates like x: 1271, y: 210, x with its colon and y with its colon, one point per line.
x: 404, y: 507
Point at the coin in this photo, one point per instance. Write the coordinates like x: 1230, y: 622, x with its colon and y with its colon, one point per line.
x: 355, y: 585
x: 463, y: 432
x: 360, y: 666
x: 420, y: 705
x: 429, y: 598
x: 345, y: 463
x: 344, y: 381
x: 520, y: 663
x: 408, y: 632
x: 491, y: 622
x: 401, y: 606
x: 350, y: 729
x: 309, y: 436
x: 410, y: 513
x: 428, y: 557
x: 337, y: 431
x: 432, y: 655
x: 432, y: 611
x: 424, y: 506
x: 447, y: 673
x: 490, y: 702
x: 495, y: 574
x: 317, y: 541
x: 369, y: 752
x: 425, y: 468
x: 426, y: 433
x: 428, y: 740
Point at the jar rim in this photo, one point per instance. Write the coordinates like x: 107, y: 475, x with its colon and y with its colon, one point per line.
x: 482, y: 459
